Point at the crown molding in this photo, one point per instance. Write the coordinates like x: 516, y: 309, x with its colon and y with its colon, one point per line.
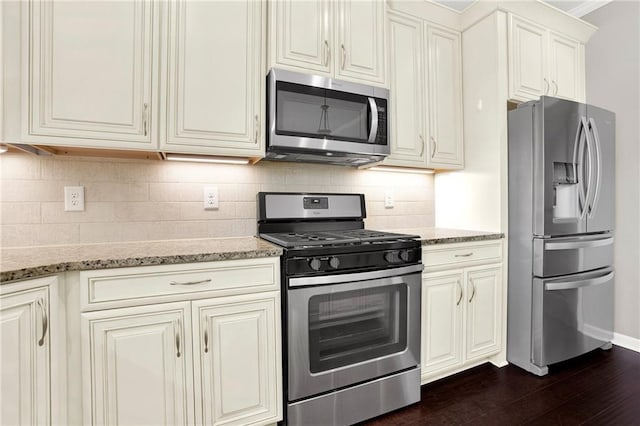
x: 587, y: 7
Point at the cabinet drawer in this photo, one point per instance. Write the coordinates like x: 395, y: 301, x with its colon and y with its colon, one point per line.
x: 434, y: 257
x: 125, y: 286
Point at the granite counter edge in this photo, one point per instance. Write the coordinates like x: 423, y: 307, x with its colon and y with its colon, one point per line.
x: 86, y: 265
x: 461, y: 239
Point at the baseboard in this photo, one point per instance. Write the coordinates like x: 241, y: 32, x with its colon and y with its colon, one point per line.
x: 626, y: 342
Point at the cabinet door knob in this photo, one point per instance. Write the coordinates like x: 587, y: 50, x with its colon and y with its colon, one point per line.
x: 555, y: 92
x: 421, y: 146
x: 434, y: 146
x: 344, y: 55
x: 45, y: 321
x: 473, y: 293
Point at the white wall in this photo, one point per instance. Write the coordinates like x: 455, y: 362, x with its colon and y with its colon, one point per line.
x: 153, y: 200
x: 613, y: 82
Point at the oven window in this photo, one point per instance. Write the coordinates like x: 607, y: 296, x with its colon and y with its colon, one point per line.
x: 318, y: 113
x: 354, y: 326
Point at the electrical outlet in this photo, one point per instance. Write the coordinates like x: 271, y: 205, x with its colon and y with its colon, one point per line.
x: 388, y: 200
x: 210, y: 197
x: 74, y: 198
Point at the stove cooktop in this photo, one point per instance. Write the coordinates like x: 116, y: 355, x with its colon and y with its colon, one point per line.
x: 332, y: 238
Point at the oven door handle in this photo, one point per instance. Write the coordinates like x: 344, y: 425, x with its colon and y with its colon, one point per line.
x: 358, y: 276
x: 374, y: 120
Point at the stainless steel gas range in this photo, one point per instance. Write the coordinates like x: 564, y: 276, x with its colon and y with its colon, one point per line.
x: 351, y: 308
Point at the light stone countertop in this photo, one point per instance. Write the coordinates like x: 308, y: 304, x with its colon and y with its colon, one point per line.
x: 30, y: 262
x: 431, y: 236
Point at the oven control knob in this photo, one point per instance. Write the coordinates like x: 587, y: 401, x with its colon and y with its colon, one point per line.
x: 404, y: 255
x: 334, y: 262
x: 315, y: 264
x: 392, y: 257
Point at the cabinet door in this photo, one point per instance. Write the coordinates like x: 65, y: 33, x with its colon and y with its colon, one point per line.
x: 566, y: 68
x: 360, y: 40
x: 445, y: 99
x: 91, y: 73
x: 237, y: 359
x: 442, y: 307
x: 302, y: 34
x: 214, y: 77
x: 527, y: 60
x: 137, y: 366
x: 24, y: 362
x: 484, y: 307
x: 406, y: 91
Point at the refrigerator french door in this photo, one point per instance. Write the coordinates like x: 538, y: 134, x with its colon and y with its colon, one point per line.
x: 573, y: 167
x: 561, y: 219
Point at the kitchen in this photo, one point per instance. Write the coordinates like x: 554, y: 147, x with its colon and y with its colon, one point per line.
x: 139, y: 199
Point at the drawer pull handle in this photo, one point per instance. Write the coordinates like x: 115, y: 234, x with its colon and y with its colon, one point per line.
x: 190, y: 282
x: 45, y: 322
x: 464, y: 255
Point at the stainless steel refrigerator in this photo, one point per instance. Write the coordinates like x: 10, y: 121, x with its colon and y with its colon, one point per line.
x: 561, y: 220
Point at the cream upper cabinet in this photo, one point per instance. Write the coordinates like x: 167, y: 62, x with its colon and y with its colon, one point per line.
x: 236, y: 365
x: 91, y: 73
x: 445, y: 99
x: 542, y: 62
x: 425, y: 81
x: 360, y: 40
x: 302, y: 33
x: 25, y: 382
x: 138, y: 365
x: 342, y: 39
x: 213, y: 77
x: 566, y: 65
x: 406, y: 91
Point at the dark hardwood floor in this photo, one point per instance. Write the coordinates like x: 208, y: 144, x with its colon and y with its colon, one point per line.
x: 599, y: 388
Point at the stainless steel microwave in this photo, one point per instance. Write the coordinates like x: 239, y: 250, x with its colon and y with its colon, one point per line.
x: 323, y: 120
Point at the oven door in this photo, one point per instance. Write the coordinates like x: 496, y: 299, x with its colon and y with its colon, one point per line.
x: 350, y: 328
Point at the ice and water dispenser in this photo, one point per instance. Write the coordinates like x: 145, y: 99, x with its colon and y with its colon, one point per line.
x: 565, y: 188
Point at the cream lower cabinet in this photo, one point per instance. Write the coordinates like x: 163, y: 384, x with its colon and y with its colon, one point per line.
x: 210, y: 356
x: 462, y: 307
x: 26, y: 356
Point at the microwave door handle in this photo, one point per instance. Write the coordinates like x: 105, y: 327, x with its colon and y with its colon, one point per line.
x: 374, y: 120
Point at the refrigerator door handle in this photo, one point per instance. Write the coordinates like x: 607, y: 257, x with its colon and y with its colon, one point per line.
x: 578, y: 156
x: 590, y: 160
x: 572, y: 285
x: 568, y: 245
x: 596, y: 192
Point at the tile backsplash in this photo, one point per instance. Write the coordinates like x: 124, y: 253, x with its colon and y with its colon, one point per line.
x: 130, y: 200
